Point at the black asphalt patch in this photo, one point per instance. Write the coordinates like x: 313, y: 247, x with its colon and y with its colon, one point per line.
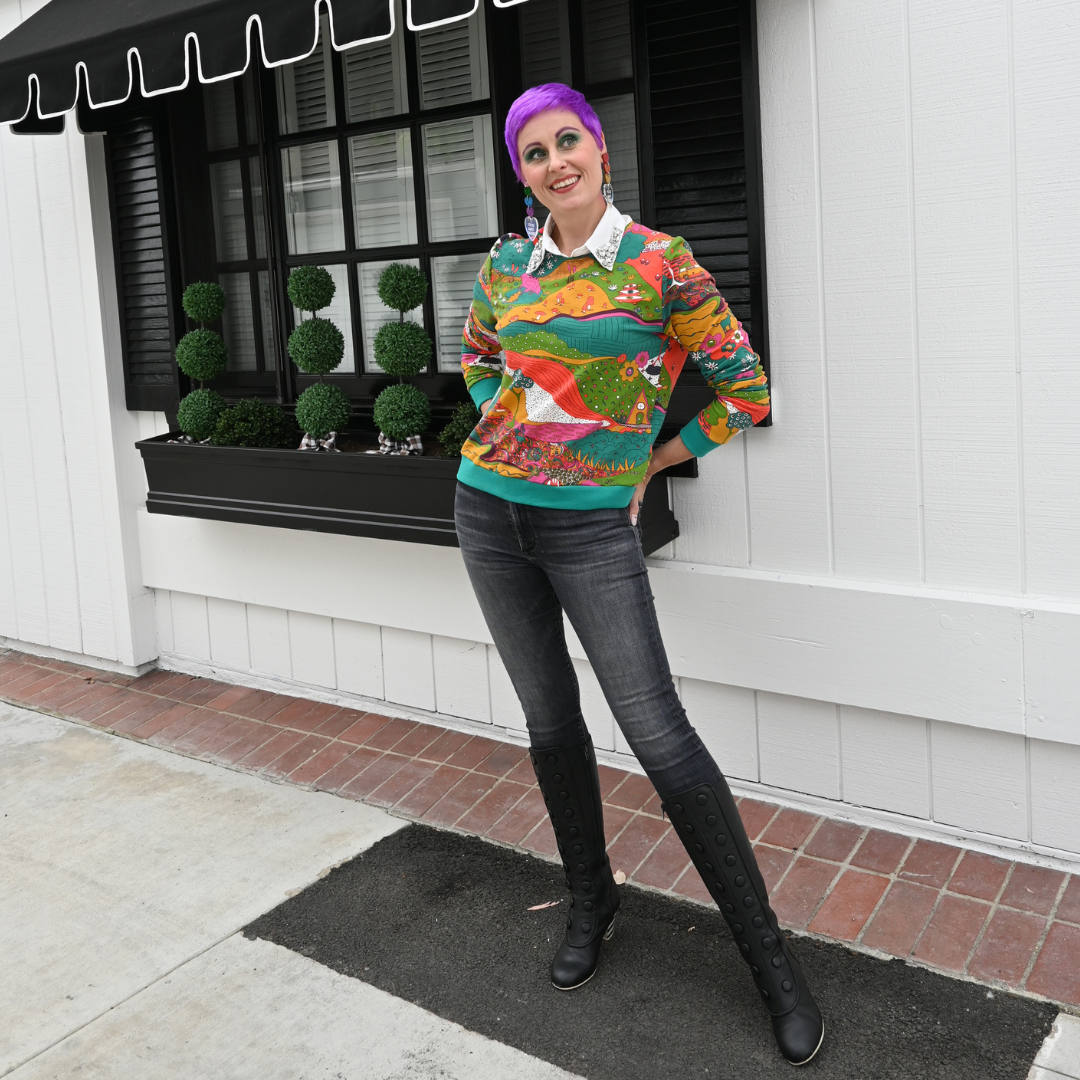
x: 441, y: 920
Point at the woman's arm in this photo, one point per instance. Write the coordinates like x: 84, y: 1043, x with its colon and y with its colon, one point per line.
x: 671, y: 453
x: 481, y: 361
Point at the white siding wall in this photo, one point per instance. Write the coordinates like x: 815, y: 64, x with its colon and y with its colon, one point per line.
x: 71, y: 480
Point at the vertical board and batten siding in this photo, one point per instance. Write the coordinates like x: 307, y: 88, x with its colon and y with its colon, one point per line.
x: 69, y: 577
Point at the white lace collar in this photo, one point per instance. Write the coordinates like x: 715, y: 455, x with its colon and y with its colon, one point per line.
x: 603, y: 245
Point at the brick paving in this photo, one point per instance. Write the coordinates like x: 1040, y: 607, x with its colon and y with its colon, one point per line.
x: 1004, y: 923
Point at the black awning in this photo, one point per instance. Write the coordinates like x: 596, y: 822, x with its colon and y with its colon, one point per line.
x: 119, y: 47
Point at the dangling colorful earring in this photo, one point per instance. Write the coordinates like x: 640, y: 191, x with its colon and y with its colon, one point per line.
x: 532, y: 226
x: 609, y: 195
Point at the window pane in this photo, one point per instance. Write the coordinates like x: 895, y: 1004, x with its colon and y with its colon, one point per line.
x: 608, y: 52
x: 452, y: 279
x: 375, y: 80
x: 219, y: 101
x: 266, y: 310
x: 373, y: 312
x: 617, y: 117
x: 306, y: 90
x: 227, y: 192
x: 258, y: 207
x: 340, y: 314
x: 453, y: 63
x: 384, y: 204
x: 312, y: 179
x: 545, y: 42
x: 237, y: 322
x: 460, y: 173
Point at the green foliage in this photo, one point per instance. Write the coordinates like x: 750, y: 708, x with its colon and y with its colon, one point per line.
x: 204, y: 301
x: 452, y: 437
x: 402, y: 287
x: 322, y: 408
x: 402, y: 349
x: 316, y: 346
x: 311, y: 288
x: 199, y: 413
x: 402, y: 410
x: 202, y: 355
x: 255, y: 423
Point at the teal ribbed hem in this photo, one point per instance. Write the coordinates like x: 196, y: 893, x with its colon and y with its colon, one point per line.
x: 695, y: 439
x: 483, y: 390
x: 576, y: 497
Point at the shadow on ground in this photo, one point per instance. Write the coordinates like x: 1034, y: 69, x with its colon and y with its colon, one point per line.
x: 441, y: 920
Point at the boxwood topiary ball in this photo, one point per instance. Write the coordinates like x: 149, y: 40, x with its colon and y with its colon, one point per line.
x: 199, y: 413
x: 402, y: 287
x: 255, y: 423
x: 321, y: 409
x: 452, y: 437
x: 402, y: 349
x: 317, y: 346
x: 311, y: 288
x: 204, y: 301
x: 202, y: 355
x: 402, y: 410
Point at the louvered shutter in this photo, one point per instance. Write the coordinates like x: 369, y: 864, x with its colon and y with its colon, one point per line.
x: 142, y: 273
x: 699, y: 158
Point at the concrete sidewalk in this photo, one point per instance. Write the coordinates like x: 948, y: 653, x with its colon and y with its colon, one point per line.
x: 126, y: 873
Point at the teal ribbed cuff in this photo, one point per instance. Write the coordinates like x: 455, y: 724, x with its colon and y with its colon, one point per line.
x: 571, y: 497
x: 695, y: 439
x: 483, y: 390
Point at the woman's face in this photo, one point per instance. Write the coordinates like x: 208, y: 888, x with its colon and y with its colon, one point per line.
x: 561, y: 162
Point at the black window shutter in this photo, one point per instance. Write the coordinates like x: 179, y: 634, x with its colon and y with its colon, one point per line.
x: 706, y: 149
x: 143, y: 275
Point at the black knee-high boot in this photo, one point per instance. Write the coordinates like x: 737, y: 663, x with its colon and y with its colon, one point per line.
x: 708, y: 823
x: 570, y: 785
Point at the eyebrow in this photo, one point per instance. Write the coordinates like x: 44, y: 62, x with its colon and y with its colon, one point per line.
x: 557, y: 134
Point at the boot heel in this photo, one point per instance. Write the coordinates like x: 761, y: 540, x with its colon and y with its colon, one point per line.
x: 610, y: 932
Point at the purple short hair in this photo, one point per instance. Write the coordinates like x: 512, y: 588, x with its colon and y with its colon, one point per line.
x: 549, y: 96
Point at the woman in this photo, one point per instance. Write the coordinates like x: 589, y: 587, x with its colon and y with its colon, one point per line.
x: 576, y: 336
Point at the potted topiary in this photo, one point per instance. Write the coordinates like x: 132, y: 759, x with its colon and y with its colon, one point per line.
x: 464, y: 419
x: 201, y: 355
x: 402, y: 349
x: 316, y: 347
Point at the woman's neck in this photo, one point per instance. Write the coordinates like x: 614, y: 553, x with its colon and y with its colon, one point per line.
x: 571, y: 232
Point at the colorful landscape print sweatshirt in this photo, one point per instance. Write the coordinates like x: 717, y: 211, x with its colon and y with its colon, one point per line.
x: 581, y: 354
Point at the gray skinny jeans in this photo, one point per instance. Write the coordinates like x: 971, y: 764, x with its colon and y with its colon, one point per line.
x: 528, y: 565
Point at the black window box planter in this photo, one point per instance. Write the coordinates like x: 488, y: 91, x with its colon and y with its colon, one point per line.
x: 391, y: 498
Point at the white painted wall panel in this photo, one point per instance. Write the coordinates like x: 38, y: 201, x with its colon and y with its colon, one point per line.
x: 506, y: 709
x: 462, y: 686
x: 1046, y: 71
x: 358, y: 658
x: 227, y: 620
x: 311, y: 642
x: 886, y: 761
x: 1055, y: 781
x: 713, y: 510
x: 967, y: 316
x: 787, y: 465
x: 799, y: 744
x: 191, y: 628
x: 408, y: 672
x: 1051, y: 677
x: 980, y: 780
x: 268, y: 628
x: 726, y: 719
x: 163, y: 620
x: 867, y: 267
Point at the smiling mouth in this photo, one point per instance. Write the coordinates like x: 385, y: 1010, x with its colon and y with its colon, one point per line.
x: 565, y: 185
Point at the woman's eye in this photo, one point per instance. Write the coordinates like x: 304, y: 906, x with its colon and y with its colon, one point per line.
x: 568, y: 140
x: 534, y: 155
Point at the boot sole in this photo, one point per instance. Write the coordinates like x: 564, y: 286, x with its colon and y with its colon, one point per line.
x: 608, y: 934
x: 806, y: 1061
